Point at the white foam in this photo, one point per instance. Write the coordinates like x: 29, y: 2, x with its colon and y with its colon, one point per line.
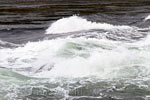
x: 75, y: 23
x: 79, y: 57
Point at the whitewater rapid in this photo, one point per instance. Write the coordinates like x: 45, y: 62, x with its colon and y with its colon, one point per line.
x: 81, y: 56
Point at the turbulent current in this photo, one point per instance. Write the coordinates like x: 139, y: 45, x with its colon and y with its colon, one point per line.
x: 78, y: 57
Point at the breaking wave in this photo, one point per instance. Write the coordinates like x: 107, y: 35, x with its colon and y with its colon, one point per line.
x: 79, y: 57
x: 94, y: 52
x: 75, y: 23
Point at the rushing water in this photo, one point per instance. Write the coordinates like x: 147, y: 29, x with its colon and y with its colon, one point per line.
x: 74, y: 50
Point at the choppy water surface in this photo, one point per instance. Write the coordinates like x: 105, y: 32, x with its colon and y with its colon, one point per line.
x: 74, y: 50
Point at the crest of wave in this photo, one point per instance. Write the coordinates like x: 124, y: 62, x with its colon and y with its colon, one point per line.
x: 75, y: 23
